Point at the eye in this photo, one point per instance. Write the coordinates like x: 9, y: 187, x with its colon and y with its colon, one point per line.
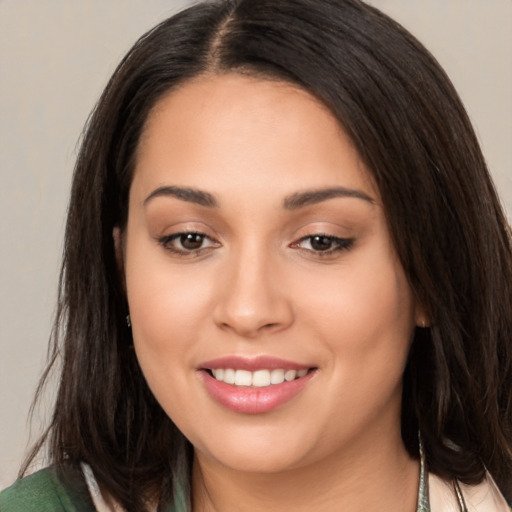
x: 324, y: 244
x: 187, y: 243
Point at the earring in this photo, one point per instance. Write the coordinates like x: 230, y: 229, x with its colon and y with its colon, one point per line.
x: 128, y: 321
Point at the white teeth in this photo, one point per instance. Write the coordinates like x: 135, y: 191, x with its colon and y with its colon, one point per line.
x: 276, y: 376
x: 218, y: 374
x: 243, y: 378
x: 290, y: 375
x: 259, y: 378
x: 229, y: 376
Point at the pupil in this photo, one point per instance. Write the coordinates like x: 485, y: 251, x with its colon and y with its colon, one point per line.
x: 321, y: 243
x: 191, y: 241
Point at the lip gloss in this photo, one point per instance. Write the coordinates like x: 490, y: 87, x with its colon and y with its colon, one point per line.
x: 251, y: 399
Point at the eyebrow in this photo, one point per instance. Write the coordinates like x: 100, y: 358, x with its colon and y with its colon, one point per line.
x: 292, y: 202
x: 191, y: 195
x: 308, y: 197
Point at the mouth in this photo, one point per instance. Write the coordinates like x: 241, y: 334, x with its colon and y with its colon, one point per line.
x: 254, y: 386
x: 257, y: 379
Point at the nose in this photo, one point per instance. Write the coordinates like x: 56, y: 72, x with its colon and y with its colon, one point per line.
x: 253, y: 299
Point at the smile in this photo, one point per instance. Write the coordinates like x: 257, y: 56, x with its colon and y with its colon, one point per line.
x: 254, y: 385
x: 257, y: 379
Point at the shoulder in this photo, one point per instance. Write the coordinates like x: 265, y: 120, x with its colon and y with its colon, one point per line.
x: 54, y: 489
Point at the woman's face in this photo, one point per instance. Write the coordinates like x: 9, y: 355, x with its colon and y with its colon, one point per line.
x: 257, y: 251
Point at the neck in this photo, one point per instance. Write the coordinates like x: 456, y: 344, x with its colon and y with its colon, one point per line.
x: 382, y: 476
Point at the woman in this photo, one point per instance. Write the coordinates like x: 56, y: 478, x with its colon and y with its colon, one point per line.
x: 287, y: 278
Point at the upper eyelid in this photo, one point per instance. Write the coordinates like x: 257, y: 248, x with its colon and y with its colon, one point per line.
x: 324, y: 234
x: 178, y: 234
x: 332, y: 237
x: 168, y: 244
x: 184, y: 231
x: 321, y: 233
x: 214, y: 240
x: 341, y: 244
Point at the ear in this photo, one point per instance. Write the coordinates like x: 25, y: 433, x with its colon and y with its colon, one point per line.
x: 119, y: 247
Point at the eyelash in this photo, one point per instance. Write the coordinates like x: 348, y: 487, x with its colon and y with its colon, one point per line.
x: 339, y: 244
x: 167, y: 241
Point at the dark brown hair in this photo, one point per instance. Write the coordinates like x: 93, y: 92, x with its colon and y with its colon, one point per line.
x: 409, y: 126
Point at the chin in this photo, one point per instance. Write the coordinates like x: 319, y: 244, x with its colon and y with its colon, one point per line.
x: 250, y: 462
x: 262, y: 454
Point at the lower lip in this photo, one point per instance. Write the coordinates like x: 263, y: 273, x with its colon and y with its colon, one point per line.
x: 253, y: 400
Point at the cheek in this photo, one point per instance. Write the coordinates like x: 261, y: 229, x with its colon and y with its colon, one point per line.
x: 160, y: 305
x: 166, y: 311
x: 168, y: 305
x: 380, y: 305
x: 364, y: 301
x: 365, y: 324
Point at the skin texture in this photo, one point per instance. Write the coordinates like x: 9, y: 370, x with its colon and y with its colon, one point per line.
x: 257, y: 286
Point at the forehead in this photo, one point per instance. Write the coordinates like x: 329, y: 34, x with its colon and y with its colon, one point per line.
x: 233, y: 92
x: 215, y: 129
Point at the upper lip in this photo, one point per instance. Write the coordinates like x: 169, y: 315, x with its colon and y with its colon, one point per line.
x: 253, y: 363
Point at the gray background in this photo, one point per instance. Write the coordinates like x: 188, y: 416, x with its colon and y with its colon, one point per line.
x: 55, y: 58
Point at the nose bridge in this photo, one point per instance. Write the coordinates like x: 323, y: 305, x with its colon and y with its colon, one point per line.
x: 252, y: 300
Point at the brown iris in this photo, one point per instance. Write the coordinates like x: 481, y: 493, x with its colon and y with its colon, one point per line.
x: 191, y: 241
